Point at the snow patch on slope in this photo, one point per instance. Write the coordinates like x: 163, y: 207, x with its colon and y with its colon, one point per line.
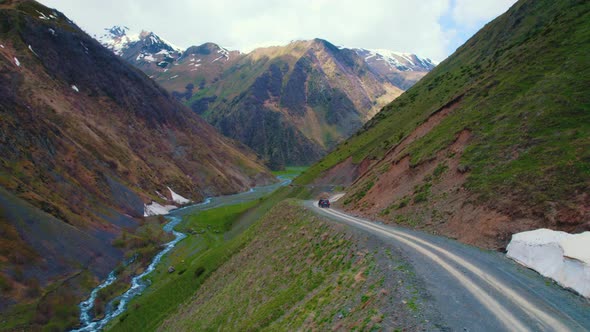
x: 177, y: 198
x: 560, y: 256
x: 31, y: 49
x: 156, y: 209
x: 577, y: 247
x: 16, y: 62
x: 146, y: 57
x: 45, y: 17
x: 224, y: 52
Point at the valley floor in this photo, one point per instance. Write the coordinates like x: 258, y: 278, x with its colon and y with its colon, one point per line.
x: 302, y: 272
x: 278, y: 263
x: 290, y: 270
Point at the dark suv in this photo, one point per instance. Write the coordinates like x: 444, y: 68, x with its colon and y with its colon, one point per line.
x: 324, y: 203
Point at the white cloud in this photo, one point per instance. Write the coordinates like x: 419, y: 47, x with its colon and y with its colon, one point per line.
x: 391, y: 24
x: 470, y: 13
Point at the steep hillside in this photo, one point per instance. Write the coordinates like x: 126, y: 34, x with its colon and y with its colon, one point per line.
x: 86, y: 141
x: 293, y: 103
x: 495, y: 140
x: 308, y: 95
x: 290, y: 271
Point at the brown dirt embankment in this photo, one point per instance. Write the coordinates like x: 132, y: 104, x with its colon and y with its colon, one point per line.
x: 431, y: 195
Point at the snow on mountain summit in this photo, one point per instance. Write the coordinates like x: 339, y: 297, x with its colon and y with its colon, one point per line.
x: 399, y: 60
x: 150, y: 39
x: 118, y: 31
x: 118, y: 38
x: 144, y: 47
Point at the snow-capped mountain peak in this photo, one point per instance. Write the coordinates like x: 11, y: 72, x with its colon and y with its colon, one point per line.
x: 401, y: 61
x: 144, y: 47
x: 150, y: 39
x: 117, y: 38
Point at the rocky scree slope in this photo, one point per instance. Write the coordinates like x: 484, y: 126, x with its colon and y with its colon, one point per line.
x: 86, y: 140
x: 494, y: 141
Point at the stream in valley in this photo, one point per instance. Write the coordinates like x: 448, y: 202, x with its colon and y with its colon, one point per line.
x: 118, y: 305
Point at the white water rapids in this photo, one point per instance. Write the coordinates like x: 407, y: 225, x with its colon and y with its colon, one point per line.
x: 137, y: 284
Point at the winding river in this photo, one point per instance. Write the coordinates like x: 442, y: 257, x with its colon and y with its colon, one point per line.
x: 138, y: 284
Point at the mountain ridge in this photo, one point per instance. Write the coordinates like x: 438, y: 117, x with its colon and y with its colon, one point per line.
x: 334, y: 91
x: 120, y: 40
x: 396, y: 66
x: 310, y: 92
x: 493, y: 141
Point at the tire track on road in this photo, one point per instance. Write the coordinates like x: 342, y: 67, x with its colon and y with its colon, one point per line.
x: 436, y: 253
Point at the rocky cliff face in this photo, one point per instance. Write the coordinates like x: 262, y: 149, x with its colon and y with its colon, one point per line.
x: 85, y: 141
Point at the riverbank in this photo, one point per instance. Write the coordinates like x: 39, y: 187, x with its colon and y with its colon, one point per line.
x: 216, y: 234
x: 110, y: 298
x: 291, y: 270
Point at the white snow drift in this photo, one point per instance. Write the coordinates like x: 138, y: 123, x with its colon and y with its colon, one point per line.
x: 177, y: 198
x: 560, y: 256
x: 156, y: 209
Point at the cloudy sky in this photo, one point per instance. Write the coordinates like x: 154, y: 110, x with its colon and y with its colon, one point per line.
x: 429, y: 28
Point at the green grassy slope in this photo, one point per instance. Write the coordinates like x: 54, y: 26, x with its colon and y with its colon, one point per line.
x: 214, y: 237
x: 194, y: 259
x: 301, y: 273
x: 522, y: 85
x: 270, y: 264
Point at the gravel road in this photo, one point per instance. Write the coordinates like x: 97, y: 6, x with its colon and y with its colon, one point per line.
x: 476, y: 289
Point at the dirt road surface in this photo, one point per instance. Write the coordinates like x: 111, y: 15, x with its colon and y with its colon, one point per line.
x: 479, y: 290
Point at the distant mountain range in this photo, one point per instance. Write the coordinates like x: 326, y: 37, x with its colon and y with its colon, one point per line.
x: 401, y: 69
x: 291, y: 103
